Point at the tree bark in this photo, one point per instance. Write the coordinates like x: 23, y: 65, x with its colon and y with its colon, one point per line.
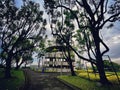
x: 18, y: 65
x: 70, y: 62
x: 16, y: 68
x: 101, y: 71
x: 8, y: 67
x: 99, y: 62
x: 94, y: 70
x: 71, y: 68
x: 39, y: 63
x: 25, y: 64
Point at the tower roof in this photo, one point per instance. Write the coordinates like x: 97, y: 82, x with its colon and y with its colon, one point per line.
x: 56, y: 48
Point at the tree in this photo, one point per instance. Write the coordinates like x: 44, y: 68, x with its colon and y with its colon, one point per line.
x: 21, y: 29
x: 86, y: 45
x: 17, y: 60
x: 27, y: 58
x: 94, y: 13
x: 24, y: 57
x: 67, y: 52
x: 41, y: 50
x: 62, y: 30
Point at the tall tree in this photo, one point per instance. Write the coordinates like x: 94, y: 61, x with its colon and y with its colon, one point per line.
x: 27, y: 58
x: 62, y: 30
x: 94, y: 12
x: 67, y: 52
x: 85, y: 45
x: 19, y: 25
x: 41, y: 50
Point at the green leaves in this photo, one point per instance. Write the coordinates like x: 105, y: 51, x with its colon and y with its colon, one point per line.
x: 3, y: 55
x: 80, y: 37
x: 70, y: 15
x: 21, y: 29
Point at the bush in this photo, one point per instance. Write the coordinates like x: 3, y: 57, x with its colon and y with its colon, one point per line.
x: 13, y: 83
x: 108, y: 66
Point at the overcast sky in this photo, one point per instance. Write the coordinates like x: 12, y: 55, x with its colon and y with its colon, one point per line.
x: 111, y: 37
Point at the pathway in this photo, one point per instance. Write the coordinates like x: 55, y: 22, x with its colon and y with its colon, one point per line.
x: 43, y: 81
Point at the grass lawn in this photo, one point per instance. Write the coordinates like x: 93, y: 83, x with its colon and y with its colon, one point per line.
x: 14, y: 83
x: 81, y: 81
x: 95, y: 77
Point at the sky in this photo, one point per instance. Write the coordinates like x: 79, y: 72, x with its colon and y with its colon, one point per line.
x: 111, y: 36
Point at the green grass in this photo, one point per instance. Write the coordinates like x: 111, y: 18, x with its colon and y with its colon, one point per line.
x: 14, y: 83
x: 85, y: 84
x: 110, y: 76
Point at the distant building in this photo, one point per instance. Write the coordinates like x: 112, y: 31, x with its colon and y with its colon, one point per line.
x: 55, y: 59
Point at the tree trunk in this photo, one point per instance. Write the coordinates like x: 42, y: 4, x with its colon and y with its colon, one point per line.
x: 8, y: 67
x: 93, y: 67
x: 70, y: 63
x: 38, y: 63
x: 25, y: 65
x: 101, y: 71
x: 100, y: 64
x: 71, y: 68
x: 17, y: 66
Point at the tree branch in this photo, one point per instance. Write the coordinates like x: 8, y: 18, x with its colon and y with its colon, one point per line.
x: 107, y: 49
x: 73, y: 15
x: 109, y: 19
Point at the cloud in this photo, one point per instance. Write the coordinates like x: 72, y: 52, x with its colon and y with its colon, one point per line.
x: 111, y: 37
